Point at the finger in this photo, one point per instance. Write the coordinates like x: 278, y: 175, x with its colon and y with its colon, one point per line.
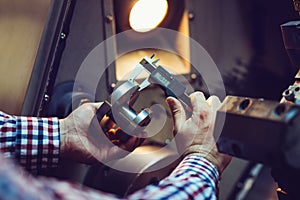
x: 177, y: 110
x: 88, y: 109
x: 197, y: 98
x: 92, y: 106
x: 106, y: 123
x: 200, y: 107
x: 131, y: 144
x: 214, y: 102
x: 96, y: 105
x: 111, y: 134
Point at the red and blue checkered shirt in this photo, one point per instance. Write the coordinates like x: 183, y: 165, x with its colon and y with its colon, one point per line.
x: 34, y: 142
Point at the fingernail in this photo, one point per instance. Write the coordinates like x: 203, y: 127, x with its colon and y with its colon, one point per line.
x: 170, y: 102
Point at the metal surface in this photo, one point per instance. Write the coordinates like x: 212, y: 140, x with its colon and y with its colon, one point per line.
x: 122, y: 183
x: 121, y: 111
x: 297, y: 5
x: 292, y: 93
x: 167, y: 81
x: 266, y: 131
x: 291, y: 38
x: 47, y: 59
x: 109, y: 30
x: 124, y: 96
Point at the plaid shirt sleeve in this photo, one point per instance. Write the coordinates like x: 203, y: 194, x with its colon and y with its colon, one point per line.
x: 32, y: 141
x: 194, y: 178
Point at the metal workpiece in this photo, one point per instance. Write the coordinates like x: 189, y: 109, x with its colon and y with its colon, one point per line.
x: 290, y: 34
x: 260, y: 130
x: 292, y: 94
x: 124, y: 93
x: 120, y: 109
x: 297, y: 5
x: 109, y: 179
x: 167, y: 81
x: 120, y: 106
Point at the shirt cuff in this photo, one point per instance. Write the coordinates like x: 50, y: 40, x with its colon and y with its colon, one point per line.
x: 196, y: 165
x: 37, y: 142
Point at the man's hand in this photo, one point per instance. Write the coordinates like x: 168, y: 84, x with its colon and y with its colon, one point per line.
x: 195, y: 135
x: 78, y: 144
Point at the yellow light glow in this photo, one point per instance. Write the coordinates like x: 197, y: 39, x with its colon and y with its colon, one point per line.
x: 145, y: 15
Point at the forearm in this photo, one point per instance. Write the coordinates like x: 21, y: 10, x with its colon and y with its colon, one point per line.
x: 194, y: 178
x: 33, y: 142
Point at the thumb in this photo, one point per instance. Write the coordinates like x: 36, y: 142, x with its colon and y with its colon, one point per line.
x: 94, y: 105
x: 178, y: 112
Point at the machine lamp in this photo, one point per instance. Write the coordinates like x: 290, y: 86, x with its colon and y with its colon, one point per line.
x: 143, y: 25
x: 146, y: 15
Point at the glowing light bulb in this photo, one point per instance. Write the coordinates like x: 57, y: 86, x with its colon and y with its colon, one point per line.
x: 145, y: 15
